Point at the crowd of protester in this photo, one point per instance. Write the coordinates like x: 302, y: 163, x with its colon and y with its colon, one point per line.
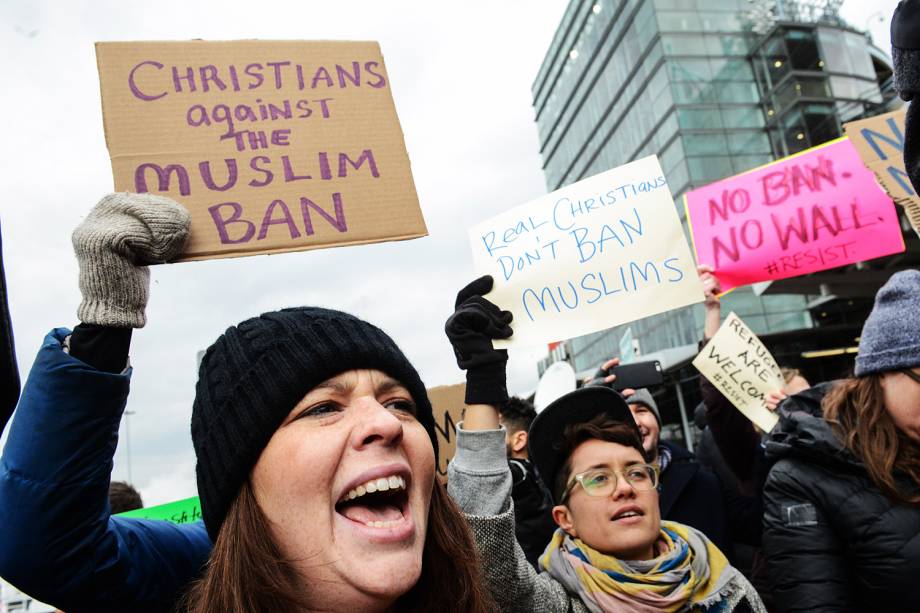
x: 316, y: 454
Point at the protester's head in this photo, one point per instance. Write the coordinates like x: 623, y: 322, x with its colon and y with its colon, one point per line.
x: 316, y: 458
x: 878, y: 413
x: 123, y: 497
x: 645, y: 411
x: 588, y: 449
x: 516, y: 415
x: 793, y: 381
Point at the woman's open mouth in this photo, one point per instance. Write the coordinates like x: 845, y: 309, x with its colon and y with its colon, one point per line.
x: 628, y: 515
x: 381, y: 504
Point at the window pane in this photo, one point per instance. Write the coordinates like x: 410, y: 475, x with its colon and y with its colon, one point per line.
x: 679, y: 21
x: 699, y: 118
x: 687, y: 69
x: 705, y: 144
x: 673, y: 154
x: 720, y: 21
x: 727, y: 44
x: 683, y: 44
x: 846, y: 87
x: 675, y: 4
x: 725, y: 69
x: 708, y: 169
x: 678, y: 177
x: 748, y: 142
x: 693, y: 93
x: 742, y: 117
x: 743, y: 163
x: 803, y: 50
x: 860, y: 62
x: 738, y: 92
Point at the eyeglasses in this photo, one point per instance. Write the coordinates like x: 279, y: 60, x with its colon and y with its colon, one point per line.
x: 602, y: 482
x: 911, y: 374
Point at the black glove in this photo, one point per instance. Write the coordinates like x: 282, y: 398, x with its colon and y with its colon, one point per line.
x: 598, y: 378
x: 471, y: 328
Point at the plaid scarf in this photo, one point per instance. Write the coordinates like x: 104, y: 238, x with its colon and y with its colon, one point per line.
x: 690, y: 574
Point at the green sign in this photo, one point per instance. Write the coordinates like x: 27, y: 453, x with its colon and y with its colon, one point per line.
x: 178, y: 512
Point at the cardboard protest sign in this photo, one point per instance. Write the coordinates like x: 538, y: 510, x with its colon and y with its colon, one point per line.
x: 813, y: 211
x: 273, y: 146
x: 447, y: 403
x: 739, y: 366
x: 879, y: 141
x: 179, y: 512
x: 601, y: 252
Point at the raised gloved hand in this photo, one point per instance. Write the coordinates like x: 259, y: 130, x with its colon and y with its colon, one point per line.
x: 121, y: 235
x: 471, y: 328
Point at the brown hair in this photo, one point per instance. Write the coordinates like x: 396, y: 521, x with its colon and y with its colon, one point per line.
x: 601, y: 428
x: 856, y: 411
x: 123, y: 497
x: 247, y: 573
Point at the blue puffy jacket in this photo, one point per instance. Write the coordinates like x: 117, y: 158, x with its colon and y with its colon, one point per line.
x: 58, y: 540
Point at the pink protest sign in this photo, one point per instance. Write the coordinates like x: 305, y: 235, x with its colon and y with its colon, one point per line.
x: 812, y: 211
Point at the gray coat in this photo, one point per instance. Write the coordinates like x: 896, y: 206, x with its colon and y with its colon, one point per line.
x: 480, y: 483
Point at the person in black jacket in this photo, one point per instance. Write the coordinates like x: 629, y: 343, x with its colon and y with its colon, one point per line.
x: 842, y: 502
x: 533, y: 504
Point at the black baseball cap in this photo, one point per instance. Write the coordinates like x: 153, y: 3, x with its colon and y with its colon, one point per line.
x: 579, y: 406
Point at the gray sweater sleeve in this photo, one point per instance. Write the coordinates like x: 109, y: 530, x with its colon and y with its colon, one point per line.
x: 478, y: 477
x: 479, y: 481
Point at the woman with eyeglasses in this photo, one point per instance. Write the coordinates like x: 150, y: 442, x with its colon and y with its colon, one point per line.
x: 842, y: 502
x: 611, y: 551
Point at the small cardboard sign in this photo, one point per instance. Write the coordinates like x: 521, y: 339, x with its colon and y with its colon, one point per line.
x: 879, y: 141
x: 183, y: 511
x: 813, y: 211
x: 448, y: 404
x: 739, y: 366
x: 595, y: 254
x: 272, y: 146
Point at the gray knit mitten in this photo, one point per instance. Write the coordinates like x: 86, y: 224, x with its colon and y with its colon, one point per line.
x: 122, y: 234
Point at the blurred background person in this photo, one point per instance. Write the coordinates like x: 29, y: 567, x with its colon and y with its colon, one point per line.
x: 533, y: 504
x: 123, y: 497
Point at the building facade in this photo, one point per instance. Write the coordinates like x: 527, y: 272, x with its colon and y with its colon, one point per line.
x: 713, y: 88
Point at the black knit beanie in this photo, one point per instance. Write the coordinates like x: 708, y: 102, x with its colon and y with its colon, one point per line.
x: 905, y: 48
x: 256, y: 372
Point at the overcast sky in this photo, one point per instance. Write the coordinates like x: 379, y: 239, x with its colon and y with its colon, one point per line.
x: 460, y: 73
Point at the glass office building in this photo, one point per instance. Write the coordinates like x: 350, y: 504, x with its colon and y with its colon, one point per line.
x: 712, y: 89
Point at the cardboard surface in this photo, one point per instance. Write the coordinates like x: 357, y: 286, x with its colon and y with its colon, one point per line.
x: 179, y: 512
x: 739, y: 366
x: 273, y: 146
x: 813, y: 211
x: 601, y: 252
x: 447, y: 402
x: 880, y: 143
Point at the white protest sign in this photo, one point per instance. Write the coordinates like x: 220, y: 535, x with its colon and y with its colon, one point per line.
x: 739, y: 366
x: 595, y: 254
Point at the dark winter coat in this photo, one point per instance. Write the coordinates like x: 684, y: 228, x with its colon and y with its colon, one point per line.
x: 833, y: 541
x: 58, y: 540
x: 533, y: 509
x: 690, y: 494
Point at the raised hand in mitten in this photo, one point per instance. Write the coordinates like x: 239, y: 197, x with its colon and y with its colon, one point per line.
x: 121, y: 235
x: 471, y: 328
